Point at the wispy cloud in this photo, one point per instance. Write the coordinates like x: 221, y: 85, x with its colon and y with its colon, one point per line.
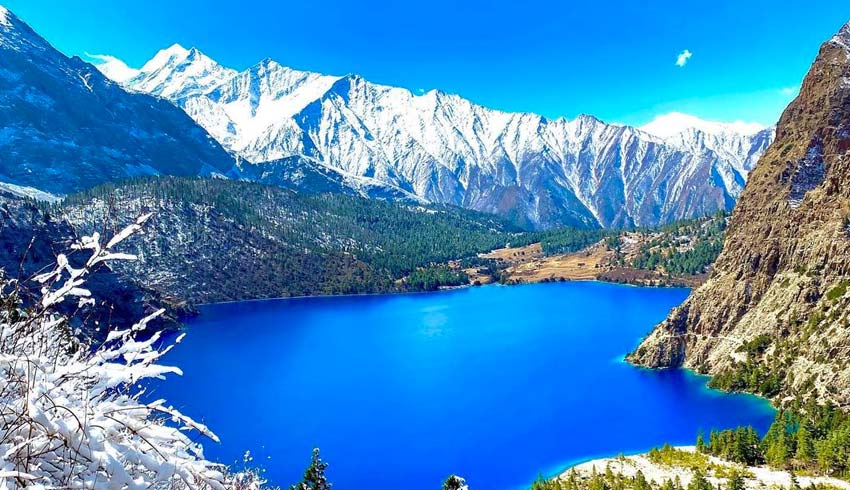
x: 789, y: 91
x: 683, y: 58
x: 112, y: 67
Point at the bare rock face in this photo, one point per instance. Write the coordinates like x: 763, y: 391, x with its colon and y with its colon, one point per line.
x: 777, y: 308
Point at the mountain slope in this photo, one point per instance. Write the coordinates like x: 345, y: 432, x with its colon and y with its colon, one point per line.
x: 65, y: 127
x: 773, y: 318
x: 219, y: 240
x: 31, y: 240
x: 445, y: 149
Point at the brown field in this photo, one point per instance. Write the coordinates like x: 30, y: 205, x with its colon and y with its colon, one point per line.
x: 528, y: 264
x: 584, y: 265
x: 514, y: 255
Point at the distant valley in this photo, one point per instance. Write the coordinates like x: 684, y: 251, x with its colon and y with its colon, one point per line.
x: 276, y: 182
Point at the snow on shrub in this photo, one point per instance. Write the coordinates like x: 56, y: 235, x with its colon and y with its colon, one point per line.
x: 71, y: 414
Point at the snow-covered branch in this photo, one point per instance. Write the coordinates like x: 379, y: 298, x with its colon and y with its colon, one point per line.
x: 72, y: 415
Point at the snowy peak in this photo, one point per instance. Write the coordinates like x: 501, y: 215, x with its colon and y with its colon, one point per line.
x: 668, y: 125
x: 843, y: 37
x: 16, y: 35
x: 5, y: 19
x: 166, y: 56
x: 67, y: 128
x: 446, y: 149
x: 176, y: 73
x: 275, y: 80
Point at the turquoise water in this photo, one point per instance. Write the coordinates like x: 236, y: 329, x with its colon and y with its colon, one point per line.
x: 497, y: 384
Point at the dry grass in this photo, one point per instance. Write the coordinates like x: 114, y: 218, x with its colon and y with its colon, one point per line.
x: 583, y: 265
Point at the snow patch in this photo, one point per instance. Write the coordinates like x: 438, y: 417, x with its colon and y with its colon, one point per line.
x: 808, y: 175
x: 28, y: 192
x: 5, y: 17
x: 843, y: 38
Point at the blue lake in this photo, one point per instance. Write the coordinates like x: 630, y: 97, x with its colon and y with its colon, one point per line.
x: 497, y: 384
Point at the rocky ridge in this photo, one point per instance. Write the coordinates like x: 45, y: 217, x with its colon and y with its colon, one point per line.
x: 773, y: 316
x: 445, y: 149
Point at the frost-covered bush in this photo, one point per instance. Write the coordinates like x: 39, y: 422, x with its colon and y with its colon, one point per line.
x: 72, y: 415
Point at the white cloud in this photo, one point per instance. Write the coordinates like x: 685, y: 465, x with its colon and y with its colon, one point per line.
x: 789, y: 91
x: 673, y: 123
x: 112, y: 67
x: 683, y: 58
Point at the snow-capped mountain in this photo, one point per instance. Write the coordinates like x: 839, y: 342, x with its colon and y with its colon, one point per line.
x: 177, y: 73
x: 739, y: 143
x: 65, y: 127
x: 446, y: 149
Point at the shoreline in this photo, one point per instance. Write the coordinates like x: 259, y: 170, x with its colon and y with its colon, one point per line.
x: 755, y: 476
x: 601, y: 460
x: 442, y: 290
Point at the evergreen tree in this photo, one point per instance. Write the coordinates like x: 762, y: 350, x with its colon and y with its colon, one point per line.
x: 454, y: 482
x: 777, y: 450
x: 641, y: 483
x: 805, y: 445
x: 699, y: 482
x: 701, y: 446
x: 795, y: 483
x: 736, y: 482
x: 314, y: 475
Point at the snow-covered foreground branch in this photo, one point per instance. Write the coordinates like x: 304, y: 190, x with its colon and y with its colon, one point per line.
x: 71, y: 416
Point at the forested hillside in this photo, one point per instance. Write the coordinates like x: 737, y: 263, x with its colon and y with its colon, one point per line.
x: 30, y: 241
x: 682, y: 248
x: 219, y: 240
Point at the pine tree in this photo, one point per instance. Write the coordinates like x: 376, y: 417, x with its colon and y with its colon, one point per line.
x: 795, y: 484
x: 314, y: 475
x: 805, y: 445
x: 777, y: 450
x: 699, y: 482
x: 701, y: 447
x: 640, y: 482
x: 454, y: 482
x: 736, y: 482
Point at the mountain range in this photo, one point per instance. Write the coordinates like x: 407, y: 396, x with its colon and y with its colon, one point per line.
x: 65, y: 127
x: 445, y: 149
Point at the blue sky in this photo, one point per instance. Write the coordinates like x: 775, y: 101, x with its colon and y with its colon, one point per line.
x: 613, y: 59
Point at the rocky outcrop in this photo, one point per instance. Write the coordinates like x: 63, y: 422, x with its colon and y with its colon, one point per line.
x: 774, y: 317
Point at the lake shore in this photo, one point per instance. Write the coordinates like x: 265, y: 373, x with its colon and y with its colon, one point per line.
x: 755, y: 476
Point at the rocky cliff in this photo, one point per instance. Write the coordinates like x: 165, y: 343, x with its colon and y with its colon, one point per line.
x: 774, y: 318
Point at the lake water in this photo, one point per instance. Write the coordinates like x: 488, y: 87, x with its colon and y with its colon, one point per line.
x: 497, y: 384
